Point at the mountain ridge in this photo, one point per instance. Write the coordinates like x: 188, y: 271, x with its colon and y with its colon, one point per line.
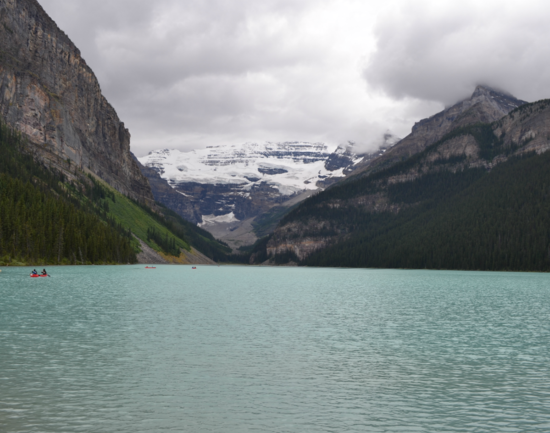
x: 335, y: 214
x: 485, y: 105
x: 226, y: 188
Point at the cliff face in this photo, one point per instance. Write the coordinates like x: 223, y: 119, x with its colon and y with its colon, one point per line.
x: 48, y: 92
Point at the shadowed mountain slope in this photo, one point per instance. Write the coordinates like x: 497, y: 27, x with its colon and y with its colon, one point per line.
x: 453, y: 167
x: 484, y: 106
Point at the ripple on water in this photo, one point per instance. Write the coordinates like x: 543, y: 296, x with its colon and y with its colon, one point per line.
x: 244, y: 349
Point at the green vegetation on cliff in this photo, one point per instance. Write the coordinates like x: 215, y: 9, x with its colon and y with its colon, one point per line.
x: 42, y: 223
x: 150, y: 227
x: 47, y: 218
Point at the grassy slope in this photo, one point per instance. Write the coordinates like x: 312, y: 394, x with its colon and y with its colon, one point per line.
x: 134, y: 217
x: 197, y: 237
x: 131, y: 215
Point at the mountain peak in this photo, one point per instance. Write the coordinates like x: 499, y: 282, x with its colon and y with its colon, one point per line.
x: 486, y: 105
x: 501, y: 97
x: 485, y: 90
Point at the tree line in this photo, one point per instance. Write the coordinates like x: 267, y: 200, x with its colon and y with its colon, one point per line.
x: 41, y: 222
x: 498, y: 220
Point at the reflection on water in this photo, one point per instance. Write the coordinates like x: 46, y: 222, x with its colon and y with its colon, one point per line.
x: 242, y: 349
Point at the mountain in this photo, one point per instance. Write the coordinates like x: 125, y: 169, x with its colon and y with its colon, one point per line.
x: 42, y: 223
x: 224, y: 189
x: 475, y: 198
x: 50, y: 94
x: 72, y: 192
x: 485, y: 105
x: 239, y: 182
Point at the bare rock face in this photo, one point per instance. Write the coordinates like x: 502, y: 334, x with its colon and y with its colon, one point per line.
x: 527, y: 129
x: 48, y: 92
x: 169, y: 196
x: 294, y: 237
x: 486, y: 105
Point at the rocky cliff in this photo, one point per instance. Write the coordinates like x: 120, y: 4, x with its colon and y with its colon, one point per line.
x: 486, y: 105
x: 49, y: 93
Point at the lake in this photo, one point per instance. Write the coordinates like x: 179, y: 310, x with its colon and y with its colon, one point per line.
x: 260, y: 349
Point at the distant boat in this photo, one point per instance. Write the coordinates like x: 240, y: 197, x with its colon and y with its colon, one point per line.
x: 150, y: 267
x: 194, y: 267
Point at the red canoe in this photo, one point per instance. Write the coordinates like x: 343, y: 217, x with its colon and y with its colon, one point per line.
x: 150, y: 267
x: 38, y: 276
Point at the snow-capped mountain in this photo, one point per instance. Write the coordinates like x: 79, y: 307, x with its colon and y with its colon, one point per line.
x: 226, y: 186
x: 286, y: 167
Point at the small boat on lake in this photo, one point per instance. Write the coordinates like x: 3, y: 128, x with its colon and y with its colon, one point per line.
x: 150, y: 267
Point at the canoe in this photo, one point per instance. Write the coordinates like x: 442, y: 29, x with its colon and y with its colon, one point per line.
x: 38, y: 276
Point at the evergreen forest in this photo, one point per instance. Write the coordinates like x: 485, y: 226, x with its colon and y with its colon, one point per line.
x: 470, y: 220
x: 42, y: 222
x: 47, y: 218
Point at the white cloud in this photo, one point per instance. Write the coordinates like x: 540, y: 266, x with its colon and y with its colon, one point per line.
x: 187, y: 74
x: 439, y: 51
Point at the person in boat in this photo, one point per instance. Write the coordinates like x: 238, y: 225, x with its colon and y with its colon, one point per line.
x: 34, y: 272
x: 44, y: 272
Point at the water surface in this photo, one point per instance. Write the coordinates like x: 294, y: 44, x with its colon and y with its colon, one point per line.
x: 250, y: 349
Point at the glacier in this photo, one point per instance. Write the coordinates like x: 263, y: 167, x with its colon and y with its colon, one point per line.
x: 223, y: 189
x: 289, y: 167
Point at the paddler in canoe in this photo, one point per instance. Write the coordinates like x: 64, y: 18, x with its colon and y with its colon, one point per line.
x: 35, y: 274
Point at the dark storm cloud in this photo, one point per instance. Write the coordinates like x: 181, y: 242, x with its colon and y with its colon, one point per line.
x: 439, y: 50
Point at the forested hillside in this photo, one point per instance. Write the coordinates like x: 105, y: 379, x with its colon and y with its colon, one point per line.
x: 48, y: 216
x: 477, y: 198
x: 496, y: 221
x: 41, y: 222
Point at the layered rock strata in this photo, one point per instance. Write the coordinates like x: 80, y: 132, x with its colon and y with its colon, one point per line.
x: 50, y: 94
x: 524, y: 129
x: 486, y: 105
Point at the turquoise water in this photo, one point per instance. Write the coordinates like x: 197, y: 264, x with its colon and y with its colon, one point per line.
x: 249, y: 349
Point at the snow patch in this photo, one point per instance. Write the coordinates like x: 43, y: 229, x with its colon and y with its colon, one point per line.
x: 213, y: 219
x: 297, y: 163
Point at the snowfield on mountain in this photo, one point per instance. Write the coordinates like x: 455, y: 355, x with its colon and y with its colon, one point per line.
x: 288, y: 167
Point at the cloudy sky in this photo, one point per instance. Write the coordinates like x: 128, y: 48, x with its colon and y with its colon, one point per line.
x: 192, y: 73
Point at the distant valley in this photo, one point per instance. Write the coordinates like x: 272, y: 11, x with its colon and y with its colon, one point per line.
x: 237, y: 192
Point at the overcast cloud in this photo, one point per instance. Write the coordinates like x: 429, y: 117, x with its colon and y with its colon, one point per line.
x: 191, y: 73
